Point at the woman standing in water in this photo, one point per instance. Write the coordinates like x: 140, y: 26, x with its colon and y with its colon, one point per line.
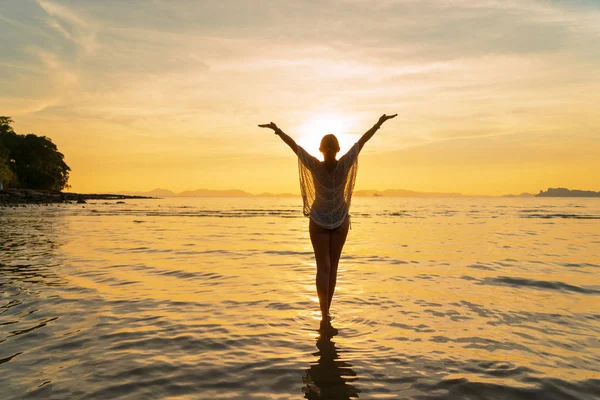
x: 326, y: 188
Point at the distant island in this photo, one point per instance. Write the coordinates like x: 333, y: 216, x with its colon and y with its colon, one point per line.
x: 551, y: 192
x: 191, y: 193
x: 242, y: 193
x: 404, y: 193
x: 14, y: 196
x: 563, y: 192
x: 520, y: 195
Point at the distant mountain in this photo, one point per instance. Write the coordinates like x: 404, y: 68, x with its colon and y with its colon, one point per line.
x: 551, y: 192
x: 267, y: 194
x: 214, y: 193
x: 152, y: 193
x: 563, y: 192
x: 403, y: 193
x: 191, y: 193
x: 242, y: 193
x: 519, y: 195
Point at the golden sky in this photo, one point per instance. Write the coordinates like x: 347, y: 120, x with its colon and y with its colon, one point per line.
x: 493, y: 97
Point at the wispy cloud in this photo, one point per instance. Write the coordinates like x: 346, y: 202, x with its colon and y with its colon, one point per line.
x: 71, y: 25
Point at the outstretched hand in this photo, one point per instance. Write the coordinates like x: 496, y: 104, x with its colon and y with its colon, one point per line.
x: 270, y: 125
x: 384, y: 118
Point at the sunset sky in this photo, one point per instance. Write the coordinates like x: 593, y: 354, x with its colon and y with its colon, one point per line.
x: 493, y: 97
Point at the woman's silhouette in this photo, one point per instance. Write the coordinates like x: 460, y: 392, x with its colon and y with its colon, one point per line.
x: 326, y: 193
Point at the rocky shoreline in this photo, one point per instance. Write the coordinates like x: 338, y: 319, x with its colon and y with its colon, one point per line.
x: 11, y: 197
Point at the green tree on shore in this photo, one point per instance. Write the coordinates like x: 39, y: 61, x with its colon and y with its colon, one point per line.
x: 30, y: 161
x: 5, y: 171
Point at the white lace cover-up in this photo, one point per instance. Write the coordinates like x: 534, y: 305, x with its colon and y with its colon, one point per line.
x: 326, y: 195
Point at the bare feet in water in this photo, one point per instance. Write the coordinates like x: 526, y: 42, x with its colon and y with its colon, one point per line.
x: 326, y: 328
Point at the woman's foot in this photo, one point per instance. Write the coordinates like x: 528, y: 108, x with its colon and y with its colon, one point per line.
x: 325, y: 327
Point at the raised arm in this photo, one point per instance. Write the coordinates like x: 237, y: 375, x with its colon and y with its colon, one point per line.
x: 288, y: 140
x: 369, y: 134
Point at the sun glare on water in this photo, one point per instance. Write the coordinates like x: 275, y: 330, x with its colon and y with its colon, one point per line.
x: 312, y: 131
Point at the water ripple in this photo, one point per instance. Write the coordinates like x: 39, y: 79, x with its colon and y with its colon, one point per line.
x: 522, y: 282
x: 215, y: 298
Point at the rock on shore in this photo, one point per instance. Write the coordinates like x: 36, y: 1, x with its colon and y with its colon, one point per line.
x: 30, y: 196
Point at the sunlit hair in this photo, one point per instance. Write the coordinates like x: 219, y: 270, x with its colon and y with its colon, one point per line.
x: 329, y: 142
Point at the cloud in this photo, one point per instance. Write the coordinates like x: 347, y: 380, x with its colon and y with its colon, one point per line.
x: 71, y: 25
x: 456, y: 71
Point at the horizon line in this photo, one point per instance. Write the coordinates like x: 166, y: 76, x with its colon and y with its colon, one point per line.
x: 359, y: 193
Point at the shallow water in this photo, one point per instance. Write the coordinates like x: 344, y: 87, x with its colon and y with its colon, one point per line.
x: 214, y: 298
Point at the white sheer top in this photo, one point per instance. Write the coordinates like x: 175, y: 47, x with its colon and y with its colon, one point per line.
x: 326, y: 195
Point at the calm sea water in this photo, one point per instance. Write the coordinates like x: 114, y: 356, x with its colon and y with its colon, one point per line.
x: 213, y: 298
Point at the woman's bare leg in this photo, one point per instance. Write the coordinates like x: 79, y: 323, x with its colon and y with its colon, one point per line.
x: 338, y: 238
x: 320, y: 239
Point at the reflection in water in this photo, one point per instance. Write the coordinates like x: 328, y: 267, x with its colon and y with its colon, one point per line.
x: 330, y: 377
x: 180, y: 297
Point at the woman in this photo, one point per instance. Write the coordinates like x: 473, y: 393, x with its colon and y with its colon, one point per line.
x: 326, y: 193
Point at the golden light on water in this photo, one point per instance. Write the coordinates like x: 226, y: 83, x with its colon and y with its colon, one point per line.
x: 186, y: 284
x: 310, y: 133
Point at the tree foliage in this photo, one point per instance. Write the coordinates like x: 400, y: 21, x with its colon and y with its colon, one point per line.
x: 5, y: 171
x: 30, y: 161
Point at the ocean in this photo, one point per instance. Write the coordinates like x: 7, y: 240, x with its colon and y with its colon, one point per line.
x: 214, y: 298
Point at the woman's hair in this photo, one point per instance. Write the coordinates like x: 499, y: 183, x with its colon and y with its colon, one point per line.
x: 329, y: 142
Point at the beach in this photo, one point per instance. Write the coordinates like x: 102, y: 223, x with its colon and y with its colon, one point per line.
x: 208, y: 298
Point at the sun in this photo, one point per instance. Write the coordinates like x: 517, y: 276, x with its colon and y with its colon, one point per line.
x: 312, y: 131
